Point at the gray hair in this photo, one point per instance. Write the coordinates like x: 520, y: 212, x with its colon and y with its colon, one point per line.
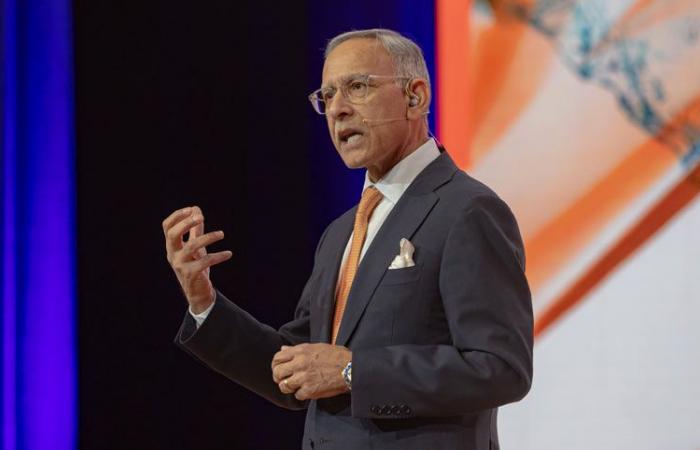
x: 407, y: 56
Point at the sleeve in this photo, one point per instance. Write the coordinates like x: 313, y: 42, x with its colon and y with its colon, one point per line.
x: 235, y: 344
x: 488, y: 308
x: 199, y: 318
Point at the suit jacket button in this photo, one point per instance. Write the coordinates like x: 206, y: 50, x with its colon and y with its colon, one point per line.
x: 406, y: 410
x: 376, y: 410
x: 386, y: 410
x: 396, y: 410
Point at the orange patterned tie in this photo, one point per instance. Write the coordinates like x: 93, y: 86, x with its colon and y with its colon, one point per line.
x: 370, y: 199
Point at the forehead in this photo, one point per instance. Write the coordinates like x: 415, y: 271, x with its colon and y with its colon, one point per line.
x: 357, y: 56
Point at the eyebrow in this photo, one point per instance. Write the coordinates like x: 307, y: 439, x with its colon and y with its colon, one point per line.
x: 346, y: 78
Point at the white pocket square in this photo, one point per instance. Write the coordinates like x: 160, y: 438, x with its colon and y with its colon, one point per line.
x: 405, y: 257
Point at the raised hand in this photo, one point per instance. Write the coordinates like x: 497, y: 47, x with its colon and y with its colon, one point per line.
x: 189, y: 259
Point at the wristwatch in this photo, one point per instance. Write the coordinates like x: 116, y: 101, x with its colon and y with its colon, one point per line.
x: 347, y: 375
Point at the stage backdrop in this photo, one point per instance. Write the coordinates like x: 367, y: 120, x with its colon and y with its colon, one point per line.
x: 585, y: 117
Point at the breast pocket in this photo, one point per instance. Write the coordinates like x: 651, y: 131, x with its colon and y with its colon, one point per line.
x: 402, y: 276
x: 393, y: 297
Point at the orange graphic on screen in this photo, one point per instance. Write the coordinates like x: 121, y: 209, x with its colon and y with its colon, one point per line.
x: 583, y: 115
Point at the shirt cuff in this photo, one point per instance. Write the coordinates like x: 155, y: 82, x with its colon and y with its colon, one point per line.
x: 201, y: 317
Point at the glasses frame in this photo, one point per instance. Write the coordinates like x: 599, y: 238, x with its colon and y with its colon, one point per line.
x: 316, y: 97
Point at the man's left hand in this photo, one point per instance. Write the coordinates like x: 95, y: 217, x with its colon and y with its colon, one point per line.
x: 311, y: 371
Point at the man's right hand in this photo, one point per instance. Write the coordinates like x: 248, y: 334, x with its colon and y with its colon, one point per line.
x: 190, y: 259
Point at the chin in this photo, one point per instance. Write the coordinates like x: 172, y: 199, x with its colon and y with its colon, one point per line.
x: 353, y: 159
x: 353, y: 164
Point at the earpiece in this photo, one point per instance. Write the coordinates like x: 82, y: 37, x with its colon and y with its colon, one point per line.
x: 413, y: 99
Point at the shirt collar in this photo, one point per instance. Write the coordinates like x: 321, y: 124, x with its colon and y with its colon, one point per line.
x: 395, y: 182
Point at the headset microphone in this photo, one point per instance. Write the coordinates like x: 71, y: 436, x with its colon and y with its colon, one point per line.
x: 376, y: 121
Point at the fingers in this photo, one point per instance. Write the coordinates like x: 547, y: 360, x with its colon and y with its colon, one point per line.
x: 283, y: 363
x: 297, y: 384
x: 174, y: 234
x: 290, y: 384
x: 282, y: 371
x: 286, y: 354
x: 198, y: 229
x: 189, y: 260
x: 207, y: 261
x: 285, y: 387
x: 191, y: 250
x: 175, y: 217
x: 302, y: 394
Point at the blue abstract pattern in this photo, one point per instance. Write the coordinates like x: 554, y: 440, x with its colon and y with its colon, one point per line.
x: 628, y: 59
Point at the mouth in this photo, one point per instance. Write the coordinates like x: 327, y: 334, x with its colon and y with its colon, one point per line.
x: 349, y: 136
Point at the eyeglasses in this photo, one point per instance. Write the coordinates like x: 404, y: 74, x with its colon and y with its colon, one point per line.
x: 355, y: 89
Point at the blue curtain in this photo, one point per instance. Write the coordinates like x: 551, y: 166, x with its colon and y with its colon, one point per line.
x: 37, y: 206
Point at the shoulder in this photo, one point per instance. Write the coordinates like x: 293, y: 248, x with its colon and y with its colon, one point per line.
x: 472, y: 208
x: 465, y: 195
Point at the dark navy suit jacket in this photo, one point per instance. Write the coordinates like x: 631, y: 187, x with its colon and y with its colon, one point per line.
x: 437, y: 347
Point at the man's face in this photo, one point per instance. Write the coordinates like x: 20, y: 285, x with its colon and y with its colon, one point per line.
x: 380, y: 142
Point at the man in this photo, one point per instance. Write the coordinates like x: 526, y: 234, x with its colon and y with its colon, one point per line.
x: 416, y: 321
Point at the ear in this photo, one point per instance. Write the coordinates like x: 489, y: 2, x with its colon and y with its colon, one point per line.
x: 418, y: 100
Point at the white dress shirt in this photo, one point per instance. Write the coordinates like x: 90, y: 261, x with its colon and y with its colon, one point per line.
x: 392, y: 186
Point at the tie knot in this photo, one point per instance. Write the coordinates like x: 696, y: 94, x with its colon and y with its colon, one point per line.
x: 370, y: 199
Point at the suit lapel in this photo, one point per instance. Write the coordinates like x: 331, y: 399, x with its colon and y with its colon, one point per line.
x: 402, y: 222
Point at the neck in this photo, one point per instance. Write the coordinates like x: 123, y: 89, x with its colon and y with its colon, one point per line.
x: 413, y: 142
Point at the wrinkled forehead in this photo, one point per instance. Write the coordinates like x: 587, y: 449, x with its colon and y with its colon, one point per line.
x: 356, y: 56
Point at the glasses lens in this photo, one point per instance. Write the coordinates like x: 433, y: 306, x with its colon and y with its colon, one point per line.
x: 318, y: 105
x: 356, y: 90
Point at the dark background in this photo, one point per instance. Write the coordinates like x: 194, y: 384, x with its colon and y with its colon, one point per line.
x: 182, y: 103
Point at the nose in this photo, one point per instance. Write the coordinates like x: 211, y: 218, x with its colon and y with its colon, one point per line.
x: 338, y: 107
